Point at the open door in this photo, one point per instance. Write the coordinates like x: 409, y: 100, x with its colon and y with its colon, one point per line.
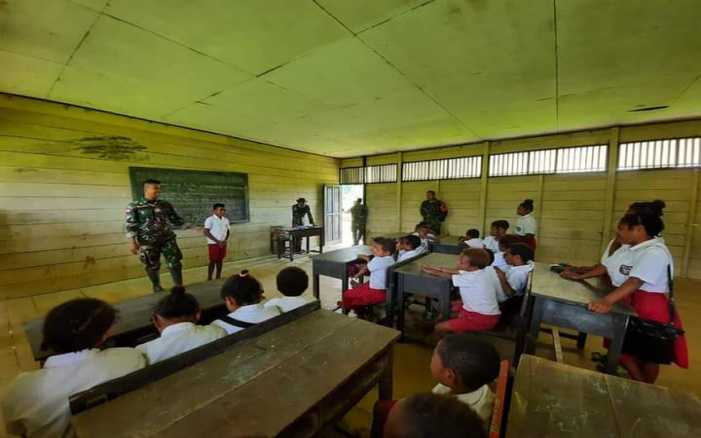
x: 332, y: 214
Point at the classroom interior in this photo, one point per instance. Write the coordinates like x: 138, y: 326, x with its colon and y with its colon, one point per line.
x: 479, y: 101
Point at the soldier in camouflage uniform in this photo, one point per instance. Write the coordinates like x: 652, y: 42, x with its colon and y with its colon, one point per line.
x: 299, y: 210
x: 149, y: 224
x: 433, y: 212
x: 359, y: 217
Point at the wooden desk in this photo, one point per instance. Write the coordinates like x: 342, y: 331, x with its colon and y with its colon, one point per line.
x: 411, y: 280
x: 448, y: 245
x: 335, y: 264
x: 299, y: 233
x: 134, y: 324
x: 557, y: 400
x: 293, y: 380
x: 563, y: 303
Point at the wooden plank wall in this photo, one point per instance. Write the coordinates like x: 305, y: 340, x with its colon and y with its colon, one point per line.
x: 62, y: 205
x: 571, y: 209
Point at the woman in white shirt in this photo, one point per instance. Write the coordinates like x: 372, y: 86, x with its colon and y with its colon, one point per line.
x: 175, y: 317
x: 647, y: 286
x: 36, y: 402
x: 242, y: 295
x: 526, y: 224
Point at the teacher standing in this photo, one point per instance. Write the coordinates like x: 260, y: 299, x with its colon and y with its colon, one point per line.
x: 299, y: 211
x: 433, y: 212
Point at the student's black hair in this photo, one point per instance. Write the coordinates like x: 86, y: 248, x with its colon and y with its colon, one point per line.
x: 177, y: 304
x: 502, y: 224
x: 490, y: 253
x: 475, y: 362
x: 292, y: 281
x: 657, y: 206
x: 77, y: 325
x: 527, y: 204
x: 413, y: 241
x: 389, y: 245
x: 243, y: 288
x: 473, y: 233
x: 151, y: 182
x: 218, y: 205
x: 507, y: 240
x: 650, y: 217
x: 438, y: 416
x: 522, y: 250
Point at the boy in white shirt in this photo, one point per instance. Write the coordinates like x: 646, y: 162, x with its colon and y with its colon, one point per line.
x: 291, y: 282
x: 478, y: 310
x: 243, y: 294
x: 472, y: 239
x: 217, y: 230
x: 423, y: 230
x: 514, y: 282
x: 496, y: 232
x: 36, y: 403
x: 373, y: 291
x: 409, y: 247
x: 175, y: 317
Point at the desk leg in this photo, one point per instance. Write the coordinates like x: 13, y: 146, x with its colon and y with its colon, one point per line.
x: 581, y: 341
x: 316, y: 285
x: 307, y: 244
x: 293, y: 248
x: 620, y: 325
x: 386, y: 382
x: 401, y: 301
x: 534, y: 330
x: 445, y: 305
x: 344, y: 279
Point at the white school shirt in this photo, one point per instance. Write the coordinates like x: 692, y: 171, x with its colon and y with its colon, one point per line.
x: 517, y: 277
x: 526, y: 225
x: 500, y: 262
x: 475, y: 243
x: 36, y: 402
x: 494, y: 278
x: 491, y: 243
x: 650, y: 261
x: 253, y: 313
x: 378, y: 271
x: 481, y: 401
x: 179, y: 338
x: 478, y: 292
x: 406, y: 255
x: 618, y: 264
x: 285, y: 304
x: 217, y: 227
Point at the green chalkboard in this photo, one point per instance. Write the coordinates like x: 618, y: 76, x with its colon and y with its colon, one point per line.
x: 193, y: 192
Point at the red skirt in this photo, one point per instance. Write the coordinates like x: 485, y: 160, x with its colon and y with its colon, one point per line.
x: 654, y: 307
x: 467, y: 321
x: 361, y: 296
x: 216, y: 253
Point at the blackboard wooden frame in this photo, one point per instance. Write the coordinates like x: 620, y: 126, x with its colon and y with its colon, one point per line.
x: 138, y: 175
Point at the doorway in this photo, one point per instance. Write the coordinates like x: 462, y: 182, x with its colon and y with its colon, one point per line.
x: 349, y: 193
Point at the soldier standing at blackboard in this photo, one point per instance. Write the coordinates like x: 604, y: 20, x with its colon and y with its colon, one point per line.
x: 149, y: 223
x: 299, y: 210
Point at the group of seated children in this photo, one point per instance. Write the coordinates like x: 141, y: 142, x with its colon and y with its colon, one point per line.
x: 460, y: 405
x: 36, y: 403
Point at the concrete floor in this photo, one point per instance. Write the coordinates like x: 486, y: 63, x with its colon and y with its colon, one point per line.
x: 411, y: 362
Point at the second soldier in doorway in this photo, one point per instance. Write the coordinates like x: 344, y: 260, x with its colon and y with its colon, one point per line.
x: 299, y: 210
x: 359, y: 218
x: 149, y: 226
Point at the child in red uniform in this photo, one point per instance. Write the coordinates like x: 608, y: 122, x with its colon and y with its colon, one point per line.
x: 372, y: 292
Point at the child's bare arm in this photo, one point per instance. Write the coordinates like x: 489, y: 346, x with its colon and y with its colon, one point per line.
x: 505, y: 286
x: 363, y: 271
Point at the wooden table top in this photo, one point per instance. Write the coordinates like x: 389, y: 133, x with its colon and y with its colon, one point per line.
x: 133, y: 314
x: 549, y: 284
x: 343, y: 255
x: 550, y: 399
x: 432, y: 259
x: 256, y: 388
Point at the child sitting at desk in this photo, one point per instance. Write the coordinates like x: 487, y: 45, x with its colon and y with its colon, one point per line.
x: 423, y: 230
x: 175, y: 317
x: 504, y: 243
x: 36, y: 403
x: 373, y: 291
x: 496, y: 232
x: 478, y: 310
x: 409, y: 247
x: 243, y: 294
x: 514, y: 282
x: 471, y: 239
x: 291, y: 282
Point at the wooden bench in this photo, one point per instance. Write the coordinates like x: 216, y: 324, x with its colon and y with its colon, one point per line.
x: 500, y: 400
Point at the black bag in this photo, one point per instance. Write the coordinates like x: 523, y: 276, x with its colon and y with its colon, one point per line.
x: 652, y: 341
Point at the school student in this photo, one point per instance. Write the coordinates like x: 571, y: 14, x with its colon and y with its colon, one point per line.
x: 504, y: 242
x: 423, y: 230
x: 478, y: 309
x: 409, y: 247
x: 36, y: 402
x: 217, y: 230
x: 472, y: 239
x: 526, y: 224
x: 243, y: 294
x: 647, y: 287
x: 373, y: 291
x: 175, y: 317
x: 464, y: 368
x: 497, y: 230
x: 514, y: 282
x: 291, y: 282
x: 433, y: 416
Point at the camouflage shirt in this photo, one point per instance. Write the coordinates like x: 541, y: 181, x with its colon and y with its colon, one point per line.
x: 151, y: 221
x: 359, y: 214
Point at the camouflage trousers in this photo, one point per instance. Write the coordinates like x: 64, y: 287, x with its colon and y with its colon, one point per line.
x: 150, y: 255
